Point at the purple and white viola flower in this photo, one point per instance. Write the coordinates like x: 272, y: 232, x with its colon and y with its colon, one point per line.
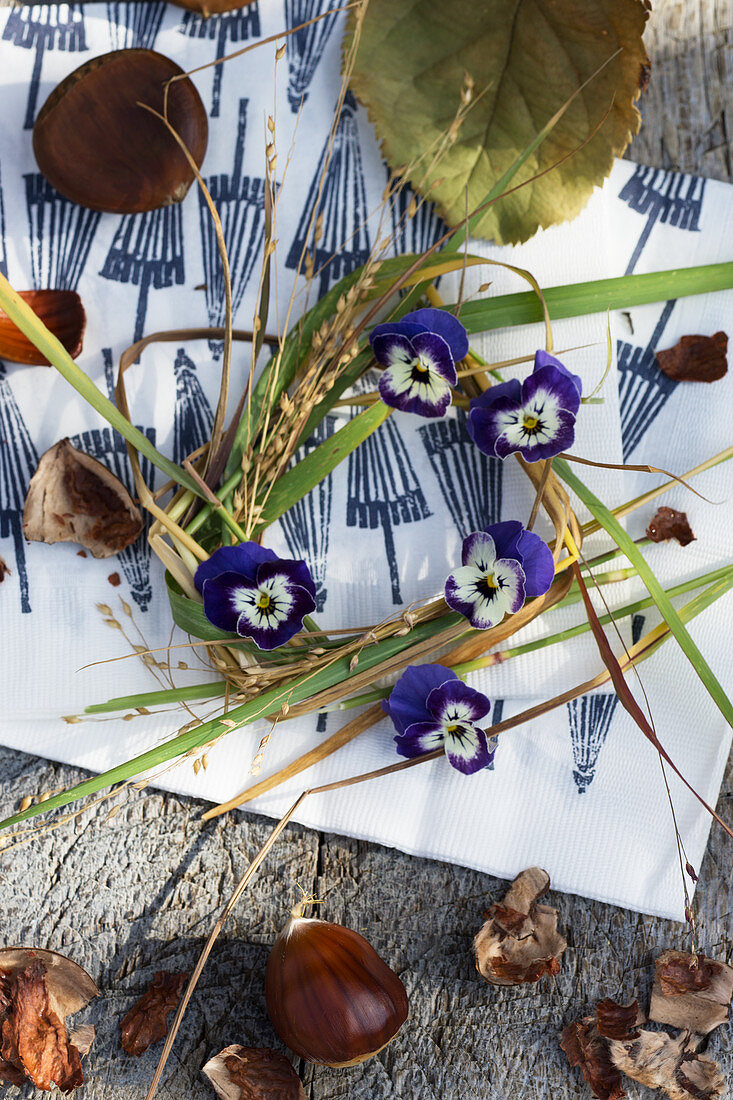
x: 535, y: 417
x: 248, y: 590
x: 419, y: 353
x: 431, y: 708
x: 502, y: 566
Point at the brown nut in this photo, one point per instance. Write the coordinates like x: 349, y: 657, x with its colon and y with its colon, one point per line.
x: 97, y: 146
x: 60, y: 310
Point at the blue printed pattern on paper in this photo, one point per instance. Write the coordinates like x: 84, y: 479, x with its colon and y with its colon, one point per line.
x: 61, y: 235
x: 307, y: 525
x: 134, y: 24
x: 147, y: 251
x: 18, y: 461
x: 471, y: 483
x: 590, y: 720
x: 231, y: 26
x: 193, y: 418
x: 42, y: 27
x: 240, y: 201
x: 306, y: 45
x: 341, y: 208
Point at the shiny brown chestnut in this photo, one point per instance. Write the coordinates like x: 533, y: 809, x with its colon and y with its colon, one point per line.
x: 60, y: 310
x: 330, y: 997
x: 212, y: 7
x: 97, y: 146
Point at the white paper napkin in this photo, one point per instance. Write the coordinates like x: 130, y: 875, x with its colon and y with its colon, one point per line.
x: 579, y: 792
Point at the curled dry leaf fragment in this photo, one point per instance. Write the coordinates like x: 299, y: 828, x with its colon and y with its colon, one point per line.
x: 60, y: 310
x: 667, y: 523
x: 587, y: 1048
x: 520, y: 941
x: 3, y: 570
x: 38, y: 990
x: 660, y: 1061
x: 147, y: 1020
x: 617, y: 1021
x: 696, y: 359
x: 74, y: 498
x: 691, y: 992
x: 252, y: 1073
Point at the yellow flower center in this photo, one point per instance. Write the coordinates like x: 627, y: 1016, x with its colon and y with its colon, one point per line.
x: 264, y: 601
x: 530, y: 422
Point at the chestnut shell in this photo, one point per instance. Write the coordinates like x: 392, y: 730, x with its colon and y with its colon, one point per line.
x: 96, y: 146
x: 330, y: 997
x: 60, y: 310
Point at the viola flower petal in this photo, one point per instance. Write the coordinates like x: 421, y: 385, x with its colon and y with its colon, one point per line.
x: 416, y: 386
x: 536, y: 419
x: 479, y: 551
x: 393, y: 349
x: 466, y: 749
x: 244, y: 558
x: 407, y: 701
x: 506, y: 536
x: 484, y: 597
x: 265, y: 599
x: 537, y: 562
x: 419, y: 738
x: 446, y: 325
x: 455, y: 701
x: 402, y: 328
x: 435, y: 354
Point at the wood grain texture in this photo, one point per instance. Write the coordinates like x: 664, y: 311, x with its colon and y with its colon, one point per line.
x: 140, y: 892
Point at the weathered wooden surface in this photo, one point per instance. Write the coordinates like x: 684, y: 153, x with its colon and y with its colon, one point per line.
x: 140, y: 892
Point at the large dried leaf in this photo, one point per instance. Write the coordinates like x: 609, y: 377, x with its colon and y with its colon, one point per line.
x: 526, y: 59
x: 74, y: 498
x: 147, y: 1020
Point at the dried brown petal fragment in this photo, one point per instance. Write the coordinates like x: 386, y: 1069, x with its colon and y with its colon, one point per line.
x: 659, y: 1061
x: 74, y: 498
x: 3, y: 570
x: 520, y: 942
x: 617, y: 1021
x: 696, y: 998
x: 586, y: 1048
x: 252, y: 1073
x: 34, y: 1039
x: 696, y: 358
x: 667, y: 523
x: 147, y: 1020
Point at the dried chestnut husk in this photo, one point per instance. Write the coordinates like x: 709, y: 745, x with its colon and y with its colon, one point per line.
x: 253, y: 1073
x: 74, y: 498
x: 95, y: 144
x: 330, y: 997
x: 38, y: 990
x: 520, y: 941
x: 60, y: 310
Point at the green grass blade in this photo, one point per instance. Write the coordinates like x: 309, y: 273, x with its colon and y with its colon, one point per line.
x: 577, y: 299
x: 311, y: 470
x: 21, y: 314
x: 609, y: 522
x: 269, y: 702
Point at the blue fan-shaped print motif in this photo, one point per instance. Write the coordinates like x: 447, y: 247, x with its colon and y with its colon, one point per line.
x: 384, y: 491
x: 637, y: 628
x: 307, y: 525
x: 415, y: 226
x: 306, y: 45
x: 642, y: 387
x: 134, y: 24
x: 666, y: 198
x: 18, y: 462
x: 240, y: 201
x: 342, y: 208
x: 229, y: 27
x: 61, y: 235
x: 470, y: 482
x: 42, y: 27
x: 193, y: 418
x: 110, y: 448
x: 147, y: 251
x: 590, y: 720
